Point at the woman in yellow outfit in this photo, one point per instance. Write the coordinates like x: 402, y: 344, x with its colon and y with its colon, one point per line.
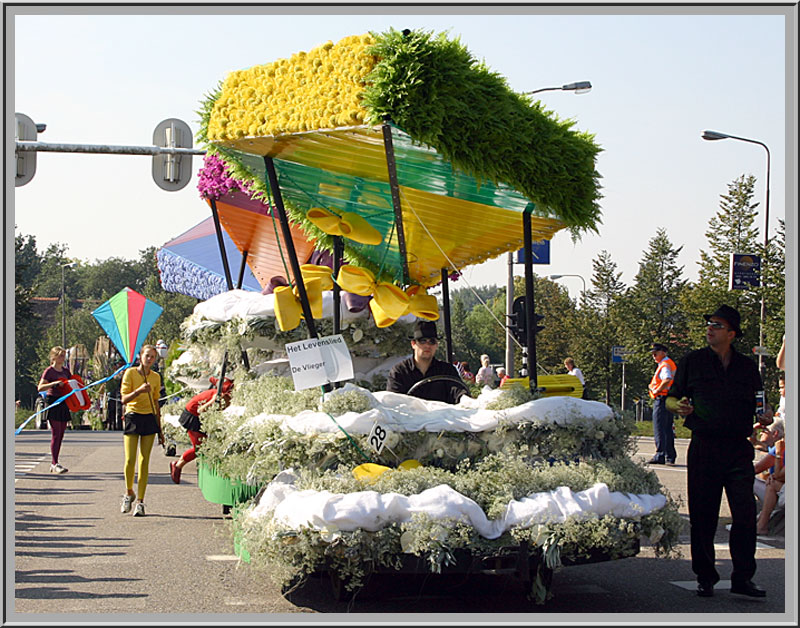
x: 140, y: 389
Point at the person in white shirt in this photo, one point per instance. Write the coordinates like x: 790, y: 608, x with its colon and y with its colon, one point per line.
x: 485, y: 374
x: 569, y: 364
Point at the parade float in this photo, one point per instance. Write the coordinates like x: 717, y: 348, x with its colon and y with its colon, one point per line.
x: 405, y: 160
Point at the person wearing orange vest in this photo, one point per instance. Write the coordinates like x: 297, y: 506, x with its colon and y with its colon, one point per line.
x: 662, y: 419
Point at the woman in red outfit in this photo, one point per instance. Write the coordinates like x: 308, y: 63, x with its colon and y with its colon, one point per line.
x: 190, y: 420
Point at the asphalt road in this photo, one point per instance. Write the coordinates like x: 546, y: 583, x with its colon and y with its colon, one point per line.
x: 78, y: 558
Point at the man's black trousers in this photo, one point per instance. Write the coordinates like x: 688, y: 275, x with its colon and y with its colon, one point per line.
x: 715, y: 465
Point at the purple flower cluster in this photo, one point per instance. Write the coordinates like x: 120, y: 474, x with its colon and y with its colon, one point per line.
x: 214, y: 180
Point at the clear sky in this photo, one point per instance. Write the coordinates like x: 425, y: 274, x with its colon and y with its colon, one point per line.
x: 660, y: 77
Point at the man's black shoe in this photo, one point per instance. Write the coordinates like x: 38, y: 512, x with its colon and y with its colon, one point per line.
x: 655, y: 461
x: 748, y: 588
x: 705, y: 589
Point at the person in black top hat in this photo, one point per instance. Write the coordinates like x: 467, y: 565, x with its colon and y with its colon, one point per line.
x: 422, y: 364
x: 715, y: 389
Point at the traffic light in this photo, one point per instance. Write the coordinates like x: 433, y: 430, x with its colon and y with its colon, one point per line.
x: 536, y: 327
x: 518, y: 322
x: 172, y: 172
x: 26, y: 130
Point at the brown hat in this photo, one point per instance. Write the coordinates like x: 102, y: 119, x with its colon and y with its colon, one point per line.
x: 730, y: 315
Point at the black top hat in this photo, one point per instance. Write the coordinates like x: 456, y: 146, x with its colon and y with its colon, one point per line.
x: 657, y: 346
x: 424, y: 329
x: 730, y: 315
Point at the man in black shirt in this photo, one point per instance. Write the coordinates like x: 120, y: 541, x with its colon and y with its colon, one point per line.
x: 715, y: 390
x: 422, y: 364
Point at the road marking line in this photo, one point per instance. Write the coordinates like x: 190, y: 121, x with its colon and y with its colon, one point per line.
x: 691, y: 585
x: 723, y: 547
x: 222, y: 557
x: 22, y: 468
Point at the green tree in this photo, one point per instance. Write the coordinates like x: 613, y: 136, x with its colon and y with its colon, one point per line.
x: 27, y: 325
x: 105, y: 278
x: 731, y: 230
x: 652, y: 312
x: 599, y: 327
x: 554, y: 342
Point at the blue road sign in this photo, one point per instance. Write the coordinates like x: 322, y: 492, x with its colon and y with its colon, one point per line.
x: 539, y: 250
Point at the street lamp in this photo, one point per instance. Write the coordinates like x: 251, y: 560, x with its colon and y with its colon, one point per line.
x: 64, y: 306
x: 716, y: 135
x: 554, y: 277
x: 581, y: 87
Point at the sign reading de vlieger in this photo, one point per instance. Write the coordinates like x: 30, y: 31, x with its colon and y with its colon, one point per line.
x: 319, y: 361
x: 745, y: 271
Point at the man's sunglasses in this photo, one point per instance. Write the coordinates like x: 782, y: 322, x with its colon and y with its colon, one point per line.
x: 715, y: 325
x: 427, y: 341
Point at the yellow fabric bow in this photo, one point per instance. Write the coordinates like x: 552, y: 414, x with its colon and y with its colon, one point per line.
x: 388, y: 301
x: 288, y: 309
x: 324, y: 273
x: 349, y: 225
x: 420, y: 304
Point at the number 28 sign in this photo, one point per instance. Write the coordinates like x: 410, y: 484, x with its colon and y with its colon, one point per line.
x: 377, y: 437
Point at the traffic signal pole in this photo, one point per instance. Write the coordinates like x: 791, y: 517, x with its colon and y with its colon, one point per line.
x: 530, y: 323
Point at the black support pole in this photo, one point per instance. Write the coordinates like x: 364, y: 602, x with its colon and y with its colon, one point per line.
x: 287, y: 237
x: 221, y: 243
x: 391, y: 166
x: 241, y: 270
x: 448, y: 335
x: 529, y: 303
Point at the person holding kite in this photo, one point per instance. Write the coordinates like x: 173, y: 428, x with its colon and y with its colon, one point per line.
x: 140, y: 389
x: 190, y: 420
x: 127, y: 317
x: 59, y: 417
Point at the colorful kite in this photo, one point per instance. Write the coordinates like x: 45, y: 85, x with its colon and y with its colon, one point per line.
x: 127, y: 318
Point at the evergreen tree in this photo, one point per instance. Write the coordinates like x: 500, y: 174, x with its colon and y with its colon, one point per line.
x: 653, y: 313
x: 599, y: 327
x: 731, y: 230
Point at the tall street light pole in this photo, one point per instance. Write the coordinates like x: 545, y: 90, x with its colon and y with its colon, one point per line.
x: 716, y: 135
x: 578, y: 276
x: 579, y: 87
x: 64, y: 306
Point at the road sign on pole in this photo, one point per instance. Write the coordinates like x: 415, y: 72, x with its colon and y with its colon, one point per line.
x: 618, y: 354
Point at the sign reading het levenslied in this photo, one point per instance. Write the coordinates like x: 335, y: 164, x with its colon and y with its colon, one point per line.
x: 319, y: 361
x: 745, y: 271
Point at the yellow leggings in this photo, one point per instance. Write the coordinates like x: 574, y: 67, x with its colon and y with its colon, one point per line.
x: 131, y: 441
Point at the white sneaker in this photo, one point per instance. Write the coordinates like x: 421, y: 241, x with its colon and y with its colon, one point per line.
x: 127, y: 500
x: 139, y: 512
x: 57, y: 468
